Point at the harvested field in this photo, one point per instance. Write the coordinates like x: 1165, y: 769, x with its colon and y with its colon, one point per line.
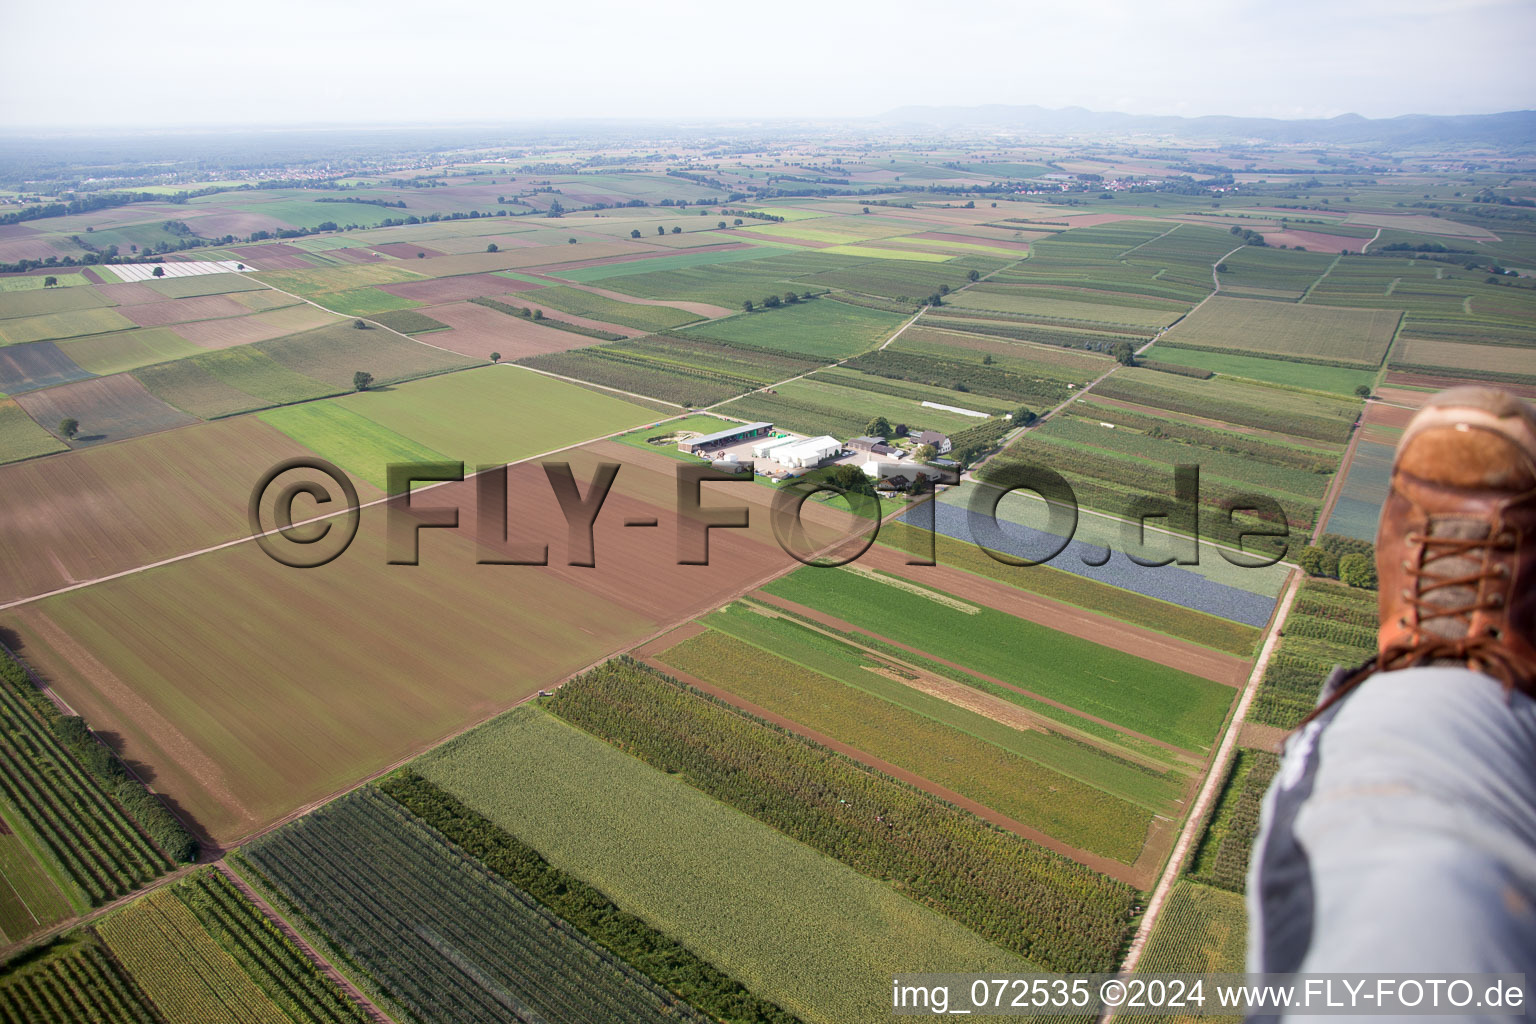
x: 234, y: 725
x: 129, y: 293
x: 405, y: 250
x: 272, y: 257
x: 1461, y: 357
x: 179, y: 311
x: 107, y: 509
x: 211, y: 284
x: 479, y: 330
x: 108, y: 408
x: 275, y: 323
x: 1313, y: 241
x: 457, y: 289
x: 42, y: 301
x: 39, y: 364
x: 333, y: 354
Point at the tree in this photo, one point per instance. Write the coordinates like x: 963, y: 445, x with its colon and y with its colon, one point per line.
x: 495, y: 357
x: 987, y: 360
x: 721, y: 224
x: 973, y: 275
x: 660, y: 230
x: 773, y: 302
x: 943, y: 289
x: 359, y: 325
x: 421, y: 255
x: 1363, y: 390
x: 1124, y: 354
x: 635, y: 233
x: 1358, y: 570
x: 807, y: 296
x: 538, y: 314
x: 925, y: 453
x: 159, y: 271
x: 739, y: 222
x: 493, y: 247
x: 49, y: 282
x: 852, y: 480
x: 1312, y: 560
x: 746, y: 304
x: 570, y: 241
x: 362, y: 380
x: 791, y: 297
x: 68, y: 428
x: 1023, y: 414
x: 1221, y: 268
x: 935, y: 299
x: 878, y: 427
x: 676, y: 230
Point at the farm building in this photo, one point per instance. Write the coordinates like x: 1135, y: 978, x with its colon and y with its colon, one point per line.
x: 940, y: 442
x: 884, y: 469
x: 761, y: 451
x: 808, y: 453
x: 866, y: 444
x: 721, y: 438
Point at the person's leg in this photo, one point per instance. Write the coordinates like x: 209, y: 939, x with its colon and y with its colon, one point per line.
x: 1400, y: 833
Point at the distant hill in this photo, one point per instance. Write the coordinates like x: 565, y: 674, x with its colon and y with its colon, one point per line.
x: 1513, y: 129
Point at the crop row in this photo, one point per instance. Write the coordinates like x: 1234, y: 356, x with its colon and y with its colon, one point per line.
x: 1001, y: 325
x: 289, y: 978
x: 664, y: 960
x: 84, y: 829
x: 1221, y: 858
x: 1114, y: 480
x: 179, y: 967
x: 1058, y: 914
x: 665, y: 382
x: 448, y: 940
x: 1317, y: 428
x: 1198, y: 438
x: 961, y: 376
x: 1312, y: 645
x: 75, y: 983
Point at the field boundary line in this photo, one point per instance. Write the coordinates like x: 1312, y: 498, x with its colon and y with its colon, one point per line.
x: 1208, y: 791
x: 326, y: 968
x: 1138, y: 245
x: 82, y: 584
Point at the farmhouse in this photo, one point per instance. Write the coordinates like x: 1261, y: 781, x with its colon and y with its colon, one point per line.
x: 807, y: 454
x: 721, y: 438
x: 941, y: 443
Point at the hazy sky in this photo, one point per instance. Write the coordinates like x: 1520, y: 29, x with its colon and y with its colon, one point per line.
x: 110, y: 63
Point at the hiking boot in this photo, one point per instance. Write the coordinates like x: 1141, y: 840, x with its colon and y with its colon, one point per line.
x: 1456, y: 549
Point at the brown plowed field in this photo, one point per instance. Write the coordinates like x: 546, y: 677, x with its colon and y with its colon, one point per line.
x: 1314, y: 241
x: 1380, y: 415
x: 354, y: 255
x: 108, y: 408
x: 221, y: 685
x: 129, y: 294
x: 457, y: 289
x: 1424, y: 380
x: 181, y: 311
x: 478, y: 331
x: 106, y: 510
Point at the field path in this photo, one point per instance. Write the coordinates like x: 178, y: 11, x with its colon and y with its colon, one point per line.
x: 1368, y: 244
x: 1202, y: 805
x: 320, y: 962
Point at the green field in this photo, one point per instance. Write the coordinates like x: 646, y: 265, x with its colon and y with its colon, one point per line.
x: 1313, y: 376
x: 494, y: 414
x: 21, y: 437
x: 1028, y: 302
x: 1161, y: 702
x: 58, y: 326
x: 113, y: 353
x: 817, y: 405
x: 365, y: 302
x: 824, y: 328
x: 1358, y: 337
x: 600, y: 307
x: 794, y: 926
x: 29, y: 900
x: 349, y: 439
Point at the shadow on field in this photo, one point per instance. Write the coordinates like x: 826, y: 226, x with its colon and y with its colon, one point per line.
x: 144, y: 773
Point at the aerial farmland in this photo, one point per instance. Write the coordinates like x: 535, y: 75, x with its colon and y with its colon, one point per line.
x: 426, y: 591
